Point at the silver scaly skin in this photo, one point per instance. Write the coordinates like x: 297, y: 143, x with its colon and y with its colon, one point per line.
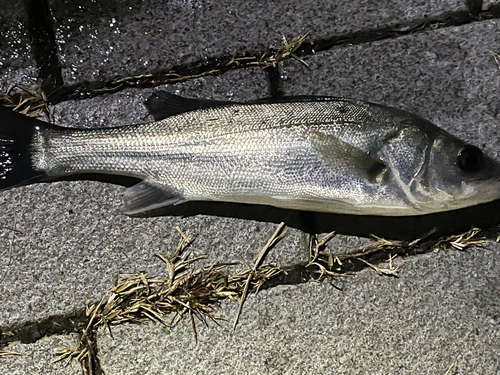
x: 306, y: 153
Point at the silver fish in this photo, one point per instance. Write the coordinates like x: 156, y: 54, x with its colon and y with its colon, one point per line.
x: 307, y: 153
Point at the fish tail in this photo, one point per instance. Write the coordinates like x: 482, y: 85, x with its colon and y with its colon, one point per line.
x: 16, y: 136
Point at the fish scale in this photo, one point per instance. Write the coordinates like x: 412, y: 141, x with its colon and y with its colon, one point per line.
x: 307, y: 153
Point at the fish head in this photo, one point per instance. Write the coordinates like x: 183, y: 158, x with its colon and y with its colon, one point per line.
x: 456, y: 175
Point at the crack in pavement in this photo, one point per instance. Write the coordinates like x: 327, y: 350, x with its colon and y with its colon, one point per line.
x: 276, y: 82
x: 475, y: 6
x: 44, y: 46
x: 321, y: 266
x: 45, y: 50
x: 31, y: 331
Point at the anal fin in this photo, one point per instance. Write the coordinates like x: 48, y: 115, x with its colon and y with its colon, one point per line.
x: 147, y: 196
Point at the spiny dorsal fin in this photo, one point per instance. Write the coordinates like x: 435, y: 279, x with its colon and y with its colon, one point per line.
x: 163, y: 104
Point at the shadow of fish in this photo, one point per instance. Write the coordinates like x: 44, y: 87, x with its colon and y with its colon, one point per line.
x: 320, y: 154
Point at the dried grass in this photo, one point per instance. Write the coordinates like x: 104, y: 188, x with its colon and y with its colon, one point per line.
x: 325, y: 264
x: 25, y: 100
x: 185, y: 293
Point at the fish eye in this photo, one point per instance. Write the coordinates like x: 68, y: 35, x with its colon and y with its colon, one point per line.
x: 470, y: 159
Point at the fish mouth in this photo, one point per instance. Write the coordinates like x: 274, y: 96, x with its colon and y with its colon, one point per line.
x: 481, y: 193
x: 469, y: 193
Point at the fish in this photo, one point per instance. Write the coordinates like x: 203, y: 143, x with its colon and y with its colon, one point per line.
x: 308, y: 153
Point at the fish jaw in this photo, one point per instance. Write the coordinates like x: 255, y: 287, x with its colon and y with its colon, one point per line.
x: 470, y: 194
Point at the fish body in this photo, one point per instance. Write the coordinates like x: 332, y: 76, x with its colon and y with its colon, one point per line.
x: 307, y: 153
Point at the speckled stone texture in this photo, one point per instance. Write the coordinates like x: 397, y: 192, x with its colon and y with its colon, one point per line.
x: 62, y: 244
x: 38, y: 358
x: 488, y: 4
x: 101, y: 40
x: 17, y: 64
x: 440, y: 311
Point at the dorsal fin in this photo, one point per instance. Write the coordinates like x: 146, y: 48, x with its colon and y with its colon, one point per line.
x: 163, y: 104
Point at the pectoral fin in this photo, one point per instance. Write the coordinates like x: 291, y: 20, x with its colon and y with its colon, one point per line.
x: 340, y: 154
x: 146, y: 196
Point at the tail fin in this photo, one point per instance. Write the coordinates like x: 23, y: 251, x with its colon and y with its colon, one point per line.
x: 16, y: 134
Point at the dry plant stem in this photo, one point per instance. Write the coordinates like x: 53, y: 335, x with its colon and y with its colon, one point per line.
x: 496, y: 56
x: 4, y: 353
x: 28, y: 101
x: 391, y: 271
x: 32, y: 101
x: 328, y: 265
x: 88, y: 357
x: 273, y: 55
x: 188, y: 293
x: 463, y: 241
x: 449, y: 369
x: 277, y: 54
x: 67, y: 354
x: 316, y: 246
x: 256, y: 265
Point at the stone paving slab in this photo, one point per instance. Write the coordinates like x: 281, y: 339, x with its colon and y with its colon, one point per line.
x: 70, y: 239
x: 37, y: 358
x: 442, y: 309
x: 16, y: 61
x: 102, y: 40
x: 488, y: 4
x: 70, y: 242
x: 127, y: 106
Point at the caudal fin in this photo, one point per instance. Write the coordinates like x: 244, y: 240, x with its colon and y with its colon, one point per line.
x: 16, y: 135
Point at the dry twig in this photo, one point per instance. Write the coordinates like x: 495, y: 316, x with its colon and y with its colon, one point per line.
x: 496, y: 57
x: 260, y: 257
x: 285, y: 51
x: 327, y: 265
x: 449, y: 369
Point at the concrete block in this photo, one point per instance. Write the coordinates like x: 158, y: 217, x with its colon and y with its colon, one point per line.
x: 99, y: 41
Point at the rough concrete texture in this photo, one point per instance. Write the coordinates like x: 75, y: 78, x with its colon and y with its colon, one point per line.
x: 70, y: 243
x: 62, y: 244
x: 441, y: 310
x: 488, y: 4
x: 16, y: 61
x: 15, y: 49
x: 70, y: 239
x: 127, y: 106
x: 99, y: 40
x: 37, y: 358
